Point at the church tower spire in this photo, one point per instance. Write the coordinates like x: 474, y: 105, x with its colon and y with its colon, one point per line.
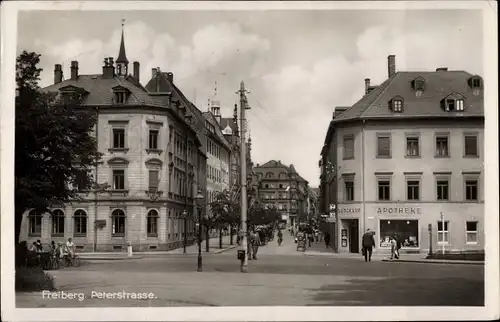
x: 122, y: 61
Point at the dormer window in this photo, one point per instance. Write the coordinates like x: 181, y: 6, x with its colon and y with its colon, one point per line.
x: 419, y: 85
x: 475, y: 82
x: 396, y: 104
x: 454, y: 102
x: 120, y: 94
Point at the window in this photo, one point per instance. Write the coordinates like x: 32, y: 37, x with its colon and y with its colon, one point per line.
x: 476, y: 82
x: 153, y: 139
x: 152, y: 223
x: 442, y: 146
x: 81, y: 180
x: 450, y: 104
x: 57, y: 223
x: 471, y: 192
x: 35, y: 223
x: 349, y: 190
x: 120, y: 96
x: 471, y: 232
x: 80, y: 220
x: 153, y: 179
x: 406, y: 230
x: 119, y: 138
x: 118, y: 223
x: 442, y: 186
x: 470, y: 143
x: 419, y: 85
x: 442, y: 233
x: 348, y: 147
x: 412, y: 147
x: 460, y: 105
x: 384, y: 190
x: 413, y: 189
x: 397, y: 106
x: 118, y: 179
x: 384, y: 146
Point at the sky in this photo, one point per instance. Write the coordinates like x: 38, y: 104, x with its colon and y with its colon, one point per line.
x: 297, y: 65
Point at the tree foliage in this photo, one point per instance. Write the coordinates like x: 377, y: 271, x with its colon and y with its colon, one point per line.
x: 224, y: 210
x: 258, y: 214
x: 55, y: 150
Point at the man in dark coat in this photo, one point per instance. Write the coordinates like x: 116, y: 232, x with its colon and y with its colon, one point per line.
x: 368, y: 244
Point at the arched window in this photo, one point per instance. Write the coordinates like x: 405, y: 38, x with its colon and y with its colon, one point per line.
x: 35, y: 223
x: 118, y: 223
x: 80, y: 220
x: 269, y: 175
x: 58, y: 223
x: 152, y: 223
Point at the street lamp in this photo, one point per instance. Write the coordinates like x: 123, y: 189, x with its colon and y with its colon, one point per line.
x: 198, y: 198
x: 184, y: 215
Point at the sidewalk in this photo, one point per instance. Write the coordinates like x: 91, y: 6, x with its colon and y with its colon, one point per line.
x: 190, y: 250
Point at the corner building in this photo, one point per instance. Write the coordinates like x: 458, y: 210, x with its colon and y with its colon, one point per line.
x: 154, y: 159
x: 407, y: 158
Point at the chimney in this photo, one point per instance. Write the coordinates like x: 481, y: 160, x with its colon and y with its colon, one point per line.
x: 367, y: 85
x: 153, y: 72
x: 74, y: 70
x: 58, y: 73
x: 442, y: 69
x: 391, y: 64
x: 157, y: 77
x: 170, y: 77
x: 107, y: 70
x: 137, y: 69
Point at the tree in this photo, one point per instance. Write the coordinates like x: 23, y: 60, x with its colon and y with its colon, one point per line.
x: 54, y: 147
x: 224, y: 212
x: 259, y: 214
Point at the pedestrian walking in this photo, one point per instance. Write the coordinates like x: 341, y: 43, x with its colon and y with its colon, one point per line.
x: 280, y: 237
x: 316, y: 235
x: 256, y: 242
x: 393, y: 248
x: 327, y: 239
x: 368, y: 244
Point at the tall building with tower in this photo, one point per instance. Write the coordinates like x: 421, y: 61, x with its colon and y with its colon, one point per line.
x: 154, y: 147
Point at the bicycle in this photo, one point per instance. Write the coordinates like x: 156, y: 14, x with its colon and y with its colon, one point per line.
x: 68, y: 261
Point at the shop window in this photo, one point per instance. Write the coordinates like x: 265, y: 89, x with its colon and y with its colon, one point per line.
x: 471, y: 231
x: 442, y: 232
x: 471, y: 147
x: 35, y: 223
x: 58, y: 223
x: 118, y: 223
x: 443, y: 189
x: 442, y: 149
x: 404, y: 230
x: 152, y: 220
x: 384, y: 190
x: 80, y: 220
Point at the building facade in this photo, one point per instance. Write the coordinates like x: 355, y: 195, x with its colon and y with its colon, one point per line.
x: 281, y: 187
x: 407, y: 159
x: 154, y: 161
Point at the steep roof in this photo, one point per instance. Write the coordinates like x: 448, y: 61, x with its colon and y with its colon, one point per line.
x: 122, y: 57
x: 278, y: 164
x: 229, y: 121
x: 100, y: 90
x: 438, y: 85
x: 164, y: 85
x: 218, y: 132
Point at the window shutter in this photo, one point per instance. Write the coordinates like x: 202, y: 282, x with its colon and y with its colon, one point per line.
x: 384, y: 146
x: 348, y: 147
x: 153, y: 179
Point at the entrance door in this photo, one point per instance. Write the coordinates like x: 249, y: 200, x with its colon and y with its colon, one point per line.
x: 354, y: 236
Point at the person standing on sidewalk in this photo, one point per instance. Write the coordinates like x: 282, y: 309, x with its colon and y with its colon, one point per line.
x: 368, y: 244
x: 327, y: 239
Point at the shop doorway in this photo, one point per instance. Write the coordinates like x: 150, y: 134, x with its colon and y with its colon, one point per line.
x: 354, y: 236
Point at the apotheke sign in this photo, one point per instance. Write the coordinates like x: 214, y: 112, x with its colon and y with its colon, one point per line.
x: 398, y: 210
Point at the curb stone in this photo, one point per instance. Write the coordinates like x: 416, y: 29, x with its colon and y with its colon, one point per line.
x: 225, y: 249
x: 429, y: 261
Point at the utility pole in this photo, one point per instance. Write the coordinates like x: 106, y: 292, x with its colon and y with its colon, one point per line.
x: 244, y: 242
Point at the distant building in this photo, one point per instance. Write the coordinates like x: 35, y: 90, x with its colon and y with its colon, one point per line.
x: 154, y: 147
x: 406, y: 158
x: 280, y: 186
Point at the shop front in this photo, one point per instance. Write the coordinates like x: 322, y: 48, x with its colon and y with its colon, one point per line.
x: 350, y: 228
